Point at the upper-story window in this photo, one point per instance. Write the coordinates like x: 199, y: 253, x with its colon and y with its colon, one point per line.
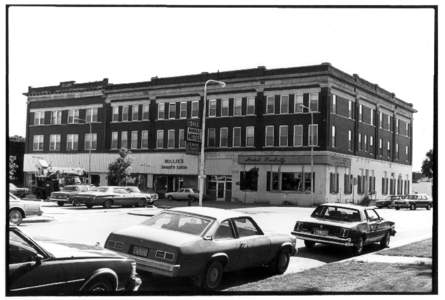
x: 313, y: 135
x: 56, y: 117
x: 250, y: 136
x: 298, y: 135
x: 389, y: 123
x: 372, y: 116
x: 388, y: 147
x: 334, y: 104
x: 371, y: 142
x: 39, y: 118
x: 397, y: 151
x: 283, y: 135
x: 134, y: 139
x: 91, y: 115
x: 183, y: 110
x: 171, y: 138
x: 124, y: 139
x: 381, y: 146
x: 195, y: 109
x: 349, y: 140
x: 350, y: 109
x: 114, y: 139
x: 381, y: 120
x: 125, y: 113
x: 73, y: 116
x: 172, y: 110
x: 161, y: 111
x: 406, y: 152
x: 90, y: 141
x: 135, y: 112
x: 145, y: 112
x: 250, y: 109
x: 224, y: 137
x: 212, y: 108
x: 160, y: 139
x: 224, y: 107
x: 359, y: 142
x: 37, y: 143
x: 284, y: 104
x: 360, y: 110
x: 144, y: 139
x: 72, y: 142
x: 365, y: 142
x: 181, y: 138
x: 269, y: 136
x: 270, y: 105
x: 313, y: 102
x: 237, y: 107
x: 333, y: 137
x: 115, y: 117
x: 211, y: 138
x: 236, y: 137
x: 54, y: 142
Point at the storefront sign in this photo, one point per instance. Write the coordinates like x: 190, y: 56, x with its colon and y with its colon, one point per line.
x: 176, y: 164
x: 193, y: 137
x: 293, y: 160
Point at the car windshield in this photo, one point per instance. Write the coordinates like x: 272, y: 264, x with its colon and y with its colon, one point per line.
x: 101, y: 189
x: 12, y: 186
x: 133, y: 189
x: 14, y: 197
x: 70, y: 188
x: 337, y: 213
x: 179, y: 222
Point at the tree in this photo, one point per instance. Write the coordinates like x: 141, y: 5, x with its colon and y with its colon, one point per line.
x: 428, y: 164
x: 12, y: 167
x: 119, y: 170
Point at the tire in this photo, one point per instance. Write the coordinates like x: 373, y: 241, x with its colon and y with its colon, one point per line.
x: 384, y: 243
x: 107, y: 204
x: 169, y: 197
x: 309, y: 244
x: 280, y: 263
x: 397, y: 208
x: 89, y: 205
x: 60, y: 203
x: 428, y: 206
x: 99, y: 286
x: 358, y: 246
x: 212, y: 276
x: 15, y: 216
x: 412, y: 206
x: 141, y: 203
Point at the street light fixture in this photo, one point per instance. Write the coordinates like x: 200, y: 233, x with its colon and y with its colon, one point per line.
x: 89, y: 148
x: 312, y: 150
x: 201, y: 165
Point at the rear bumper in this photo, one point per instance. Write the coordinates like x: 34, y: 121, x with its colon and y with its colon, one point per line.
x: 347, y: 242
x: 133, y: 284
x: 154, y: 266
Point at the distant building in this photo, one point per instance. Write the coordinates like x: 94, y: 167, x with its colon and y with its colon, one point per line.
x: 258, y: 133
x: 16, y: 148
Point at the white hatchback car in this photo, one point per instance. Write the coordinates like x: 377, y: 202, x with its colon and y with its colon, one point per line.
x: 183, y: 194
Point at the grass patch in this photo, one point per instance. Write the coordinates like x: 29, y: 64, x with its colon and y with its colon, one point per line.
x: 350, y: 276
x: 420, y: 249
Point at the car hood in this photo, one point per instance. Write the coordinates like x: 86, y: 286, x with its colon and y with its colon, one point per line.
x: 330, y: 223
x: 62, y: 249
x: 162, y: 236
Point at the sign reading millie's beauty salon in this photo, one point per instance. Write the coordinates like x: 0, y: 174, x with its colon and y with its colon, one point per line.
x: 177, y: 164
x: 293, y: 160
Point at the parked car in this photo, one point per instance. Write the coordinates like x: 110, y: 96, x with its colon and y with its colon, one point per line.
x: 413, y: 201
x: 56, y: 268
x: 183, y: 194
x: 108, y: 196
x: 19, y: 209
x: 387, y: 201
x: 18, y: 191
x: 150, y: 197
x: 201, y: 243
x: 64, y: 196
x: 346, y: 225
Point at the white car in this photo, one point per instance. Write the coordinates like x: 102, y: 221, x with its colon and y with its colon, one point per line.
x: 183, y: 194
x: 19, y: 209
x: 135, y: 191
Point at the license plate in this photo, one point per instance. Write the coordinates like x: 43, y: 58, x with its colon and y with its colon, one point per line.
x: 140, y: 251
x: 320, y: 232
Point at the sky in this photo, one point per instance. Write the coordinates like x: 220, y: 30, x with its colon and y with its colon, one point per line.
x: 393, y: 48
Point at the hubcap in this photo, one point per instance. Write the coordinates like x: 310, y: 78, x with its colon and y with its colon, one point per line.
x: 14, y: 217
x: 213, y: 275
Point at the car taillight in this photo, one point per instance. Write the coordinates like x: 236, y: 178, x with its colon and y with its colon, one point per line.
x: 297, y: 226
x: 165, y: 255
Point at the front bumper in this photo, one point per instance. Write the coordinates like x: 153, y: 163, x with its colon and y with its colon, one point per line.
x: 325, y: 239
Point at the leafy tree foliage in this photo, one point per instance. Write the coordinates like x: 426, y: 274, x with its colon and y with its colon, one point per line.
x: 428, y: 164
x: 119, y: 170
x: 12, y: 167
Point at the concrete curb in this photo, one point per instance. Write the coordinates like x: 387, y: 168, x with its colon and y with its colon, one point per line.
x: 378, y: 258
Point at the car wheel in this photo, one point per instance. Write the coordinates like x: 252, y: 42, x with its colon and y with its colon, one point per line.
x: 384, y: 243
x: 309, y: 244
x: 107, y: 204
x: 99, y: 286
x: 170, y: 197
x: 280, y: 263
x: 89, y: 205
x: 397, y: 208
x: 428, y: 206
x: 60, y: 203
x: 212, y: 275
x: 412, y: 206
x: 141, y: 202
x: 15, y: 216
x: 75, y: 203
x: 358, y: 247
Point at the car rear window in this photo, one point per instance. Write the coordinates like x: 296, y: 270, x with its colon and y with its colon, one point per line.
x: 337, y: 213
x: 179, y: 222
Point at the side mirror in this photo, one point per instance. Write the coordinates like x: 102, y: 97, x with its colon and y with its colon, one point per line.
x: 208, y: 238
x: 38, y: 260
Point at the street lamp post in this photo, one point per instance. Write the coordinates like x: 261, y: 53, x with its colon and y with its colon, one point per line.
x: 312, y: 150
x: 201, y: 165
x: 89, y: 148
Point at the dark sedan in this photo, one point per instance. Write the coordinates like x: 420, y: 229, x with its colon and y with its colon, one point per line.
x: 108, y: 196
x: 346, y: 225
x: 18, y: 191
x: 414, y: 201
x: 51, y: 268
x: 64, y: 196
x: 387, y: 202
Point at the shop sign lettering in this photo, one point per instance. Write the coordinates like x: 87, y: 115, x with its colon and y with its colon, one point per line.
x: 174, y: 164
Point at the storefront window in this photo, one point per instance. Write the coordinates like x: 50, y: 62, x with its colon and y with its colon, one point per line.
x: 249, y: 180
x: 290, y: 181
x: 307, y: 182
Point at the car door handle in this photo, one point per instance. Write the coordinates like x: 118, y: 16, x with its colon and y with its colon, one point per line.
x: 243, y: 245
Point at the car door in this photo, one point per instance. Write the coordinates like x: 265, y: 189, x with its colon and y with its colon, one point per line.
x: 225, y: 241
x: 255, y: 247
x: 375, y: 225
x: 123, y: 197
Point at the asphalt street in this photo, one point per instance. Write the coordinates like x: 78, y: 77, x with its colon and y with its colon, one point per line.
x: 92, y: 226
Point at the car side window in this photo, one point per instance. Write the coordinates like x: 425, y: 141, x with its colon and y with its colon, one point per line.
x: 372, y: 215
x: 245, y: 227
x: 20, y: 251
x: 224, y: 231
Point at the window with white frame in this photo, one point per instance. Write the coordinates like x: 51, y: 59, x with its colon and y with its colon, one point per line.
x: 250, y: 136
x: 195, y: 109
x: 334, y: 104
x: 160, y: 139
x: 211, y: 138
x: 250, y: 109
x: 124, y: 139
x: 333, y: 136
x: 144, y: 139
x: 283, y: 132
x: 313, y: 135
x: 90, y: 141
x: 236, y: 137
x: 269, y: 136
x: 360, y: 111
x: 72, y: 142
x: 224, y: 107
x: 350, y: 109
x: 172, y: 110
x: 171, y: 138
x: 298, y: 103
x: 284, y: 104
x: 125, y: 113
x: 54, y: 142
x: 313, y: 102
x: 91, y: 115
x: 56, y: 117
x: 37, y: 143
x: 223, y: 137
x: 237, y: 106
x: 145, y: 112
x: 115, y: 115
x: 181, y: 138
x: 73, y: 116
x: 298, y: 135
x: 270, y: 105
x: 183, y: 110
x: 135, y: 112
x: 161, y: 111
x: 349, y: 140
x: 212, y: 108
x: 39, y: 118
x: 134, y: 139
x: 114, y: 139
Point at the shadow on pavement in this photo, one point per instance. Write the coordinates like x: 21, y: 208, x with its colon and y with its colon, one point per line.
x: 332, y: 253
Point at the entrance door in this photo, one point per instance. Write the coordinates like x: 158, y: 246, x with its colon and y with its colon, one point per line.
x: 221, y: 190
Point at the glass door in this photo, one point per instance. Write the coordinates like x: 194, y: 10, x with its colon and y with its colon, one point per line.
x: 221, y: 190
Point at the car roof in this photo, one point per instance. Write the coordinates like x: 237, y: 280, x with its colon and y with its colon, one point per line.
x: 348, y: 205
x: 216, y: 213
